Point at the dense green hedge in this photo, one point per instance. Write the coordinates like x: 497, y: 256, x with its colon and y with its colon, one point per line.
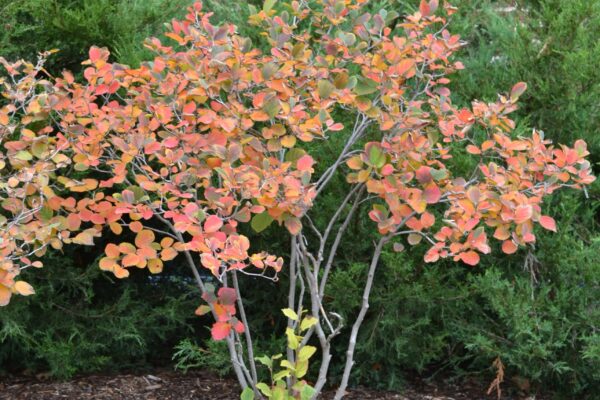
x: 538, y: 311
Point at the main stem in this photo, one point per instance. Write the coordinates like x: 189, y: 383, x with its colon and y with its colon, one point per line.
x: 341, y: 391
x: 249, y: 345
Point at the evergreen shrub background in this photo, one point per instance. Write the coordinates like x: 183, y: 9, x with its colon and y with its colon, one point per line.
x: 539, y: 310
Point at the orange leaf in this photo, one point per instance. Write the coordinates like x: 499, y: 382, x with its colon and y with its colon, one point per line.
x: 23, y: 288
x: 144, y: 238
x: 473, y: 149
x: 127, y: 248
x: 427, y: 220
x: 107, y: 264
x: 130, y: 260
x: 210, y: 262
x: 470, y: 257
x: 73, y: 222
x: 228, y: 124
x: 509, y: 247
x: 354, y: 163
x: 523, y: 214
x: 112, y: 250
x: 121, y: 272
x: 166, y: 242
x: 168, y: 254
x: 116, y: 228
x: 136, y: 226
x: 293, y: 225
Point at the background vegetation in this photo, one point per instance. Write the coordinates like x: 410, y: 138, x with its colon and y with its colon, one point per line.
x: 539, y: 311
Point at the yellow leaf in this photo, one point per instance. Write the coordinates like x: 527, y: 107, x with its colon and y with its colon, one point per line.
x: 288, y: 312
x: 155, y: 265
x: 23, y: 288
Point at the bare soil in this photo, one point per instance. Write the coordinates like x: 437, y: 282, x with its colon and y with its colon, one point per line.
x: 199, y: 385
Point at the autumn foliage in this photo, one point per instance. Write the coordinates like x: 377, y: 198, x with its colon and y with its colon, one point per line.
x: 211, y: 134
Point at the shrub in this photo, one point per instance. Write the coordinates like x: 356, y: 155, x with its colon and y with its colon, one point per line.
x: 184, y: 149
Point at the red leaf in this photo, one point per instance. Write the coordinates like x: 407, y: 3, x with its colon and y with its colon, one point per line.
x: 239, y: 327
x: 305, y: 163
x: 220, y: 330
x: 336, y: 127
x: 212, y: 224
x: 432, y: 193
x: 227, y: 296
x: 387, y: 169
x: 548, y: 223
x: 95, y: 54
x: 424, y: 8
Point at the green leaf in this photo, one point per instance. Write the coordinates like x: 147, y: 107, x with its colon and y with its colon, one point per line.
x: 261, y: 221
x: 292, y: 339
x: 376, y: 157
x: 294, y: 154
x: 39, y: 148
x: 247, y: 394
x: 288, y: 365
x: 301, y: 368
x: 288, y: 312
x: 264, y: 388
x: 138, y: 192
x: 269, y: 69
x: 365, y: 86
x: 46, y: 213
x: 307, y: 322
x: 438, y: 174
x: 307, y: 392
x: 268, y: 5
x: 81, y: 167
x: 298, y: 49
x: 264, y: 360
x: 306, y: 352
x: 281, y: 374
x: 272, y: 107
x: 352, y: 82
x: 23, y: 155
x: 325, y: 88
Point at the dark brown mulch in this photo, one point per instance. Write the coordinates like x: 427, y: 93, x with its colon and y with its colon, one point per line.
x: 167, y: 385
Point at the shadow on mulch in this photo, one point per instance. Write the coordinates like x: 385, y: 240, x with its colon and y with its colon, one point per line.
x: 198, y: 385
